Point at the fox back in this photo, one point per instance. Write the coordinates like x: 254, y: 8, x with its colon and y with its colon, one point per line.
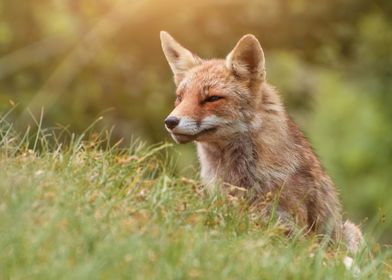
x: 245, y: 138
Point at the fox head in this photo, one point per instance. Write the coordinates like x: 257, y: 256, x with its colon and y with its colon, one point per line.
x: 215, y: 98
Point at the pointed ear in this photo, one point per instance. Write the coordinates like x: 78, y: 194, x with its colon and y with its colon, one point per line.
x: 180, y: 59
x: 246, y: 60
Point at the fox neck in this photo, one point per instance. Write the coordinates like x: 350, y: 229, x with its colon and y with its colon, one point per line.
x: 258, y: 158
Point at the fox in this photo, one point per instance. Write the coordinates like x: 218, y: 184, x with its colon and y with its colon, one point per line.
x: 245, y: 138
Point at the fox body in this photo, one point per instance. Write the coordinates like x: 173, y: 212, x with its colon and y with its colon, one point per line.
x: 245, y: 138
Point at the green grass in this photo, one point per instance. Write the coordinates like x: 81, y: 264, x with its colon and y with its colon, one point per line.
x: 89, y: 210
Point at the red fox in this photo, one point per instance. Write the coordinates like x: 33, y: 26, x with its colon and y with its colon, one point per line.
x: 245, y: 138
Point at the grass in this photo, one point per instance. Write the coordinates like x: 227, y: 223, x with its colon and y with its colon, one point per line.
x: 90, y: 210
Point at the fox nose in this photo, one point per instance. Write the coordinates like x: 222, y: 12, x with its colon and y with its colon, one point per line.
x: 171, y: 122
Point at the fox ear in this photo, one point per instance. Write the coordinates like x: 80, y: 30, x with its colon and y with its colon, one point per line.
x: 180, y: 59
x: 246, y: 60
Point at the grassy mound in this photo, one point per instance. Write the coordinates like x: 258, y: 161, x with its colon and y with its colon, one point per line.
x: 87, y: 210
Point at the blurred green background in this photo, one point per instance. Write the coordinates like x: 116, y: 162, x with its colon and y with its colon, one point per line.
x: 331, y: 60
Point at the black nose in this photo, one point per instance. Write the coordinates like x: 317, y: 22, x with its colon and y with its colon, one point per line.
x: 171, y: 122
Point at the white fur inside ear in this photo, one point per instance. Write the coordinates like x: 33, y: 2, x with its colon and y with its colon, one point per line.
x: 179, y: 58
x: 247, y: 58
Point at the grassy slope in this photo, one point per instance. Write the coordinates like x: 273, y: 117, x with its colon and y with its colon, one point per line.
x: 89, y: 213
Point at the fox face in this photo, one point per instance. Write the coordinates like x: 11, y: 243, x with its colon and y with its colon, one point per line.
x: 215, y: 97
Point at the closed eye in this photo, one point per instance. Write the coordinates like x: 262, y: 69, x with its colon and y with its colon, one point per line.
x: 213, y: 98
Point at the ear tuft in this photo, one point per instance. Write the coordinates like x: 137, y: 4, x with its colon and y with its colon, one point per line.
x: 246, y: 60
x: 179, y: 58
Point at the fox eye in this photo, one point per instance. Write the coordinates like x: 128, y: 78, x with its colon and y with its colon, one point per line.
x: 213, y: 98
x: 178, y: 98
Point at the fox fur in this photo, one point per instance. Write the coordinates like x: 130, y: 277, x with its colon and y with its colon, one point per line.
x: 245, y: 138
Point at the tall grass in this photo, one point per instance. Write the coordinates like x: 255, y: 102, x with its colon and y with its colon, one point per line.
x: 86, y: 209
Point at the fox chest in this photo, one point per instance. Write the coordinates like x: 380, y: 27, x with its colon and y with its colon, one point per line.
x: 233, y: 167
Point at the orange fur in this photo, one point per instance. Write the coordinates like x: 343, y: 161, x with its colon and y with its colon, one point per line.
x: 245, y: 138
